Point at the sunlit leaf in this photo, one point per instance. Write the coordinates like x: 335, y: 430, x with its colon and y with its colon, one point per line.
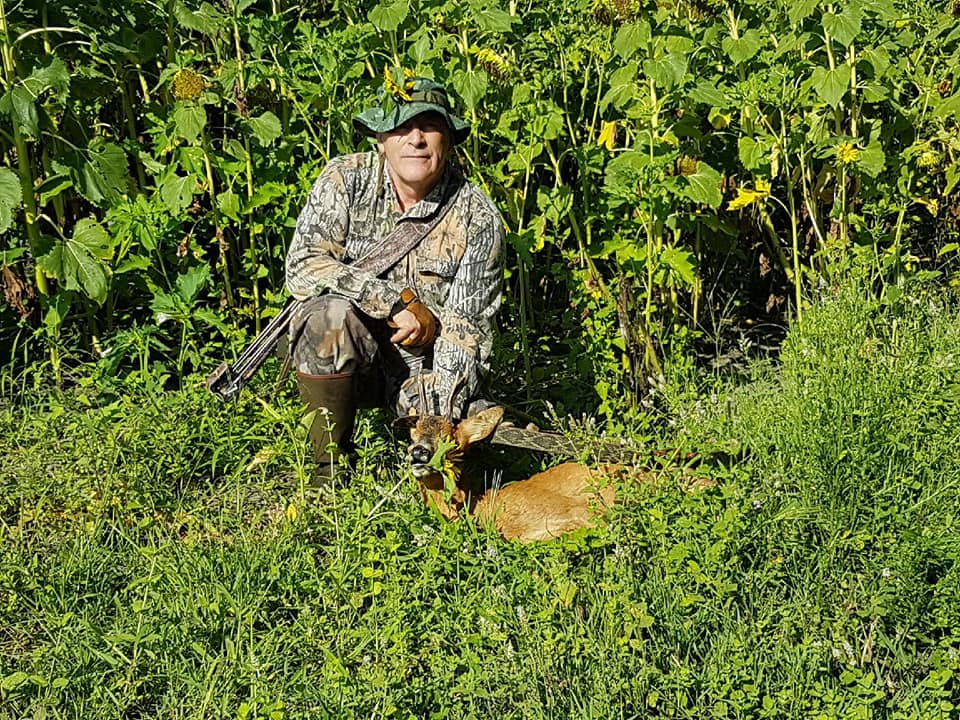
x: 843, y: 27
x: 189, y: 121
x: 229, y: 204
x: 266, y: 127
x: 78, y: 262
x: 10, y: 197
x: 99, y: 172
x: 703, y: 186
x: 831, y: 85
x: 177, y: 192
x: 387, y: 16
x: 630, y: 38
x: 470, y: 86
x: 743, y: 48
x: 667, y: 71
x: 681, y: 262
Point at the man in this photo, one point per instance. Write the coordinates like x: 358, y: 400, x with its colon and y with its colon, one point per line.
x: 421, y: 328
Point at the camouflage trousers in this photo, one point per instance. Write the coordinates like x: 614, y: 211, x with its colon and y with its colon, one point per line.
x: 330, y: 335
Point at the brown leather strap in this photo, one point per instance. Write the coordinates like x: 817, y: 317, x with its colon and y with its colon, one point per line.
x: 408, y: 233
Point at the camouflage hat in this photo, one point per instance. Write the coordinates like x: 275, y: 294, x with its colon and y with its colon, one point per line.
x: 418, y: 95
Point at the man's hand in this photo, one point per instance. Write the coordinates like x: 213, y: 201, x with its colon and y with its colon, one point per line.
x: 415, y: 325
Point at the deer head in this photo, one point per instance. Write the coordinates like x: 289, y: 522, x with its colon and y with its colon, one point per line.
x: 437, y: 444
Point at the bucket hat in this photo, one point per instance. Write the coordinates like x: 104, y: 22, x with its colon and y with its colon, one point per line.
x: 418, y: 95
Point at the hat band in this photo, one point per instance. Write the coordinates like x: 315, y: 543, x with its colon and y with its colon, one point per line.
x: 433, y: 97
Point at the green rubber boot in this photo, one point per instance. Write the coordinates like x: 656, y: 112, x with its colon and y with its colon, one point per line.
x: 333, y: 398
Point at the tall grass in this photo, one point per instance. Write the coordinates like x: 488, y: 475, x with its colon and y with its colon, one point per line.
x: 162, y: 555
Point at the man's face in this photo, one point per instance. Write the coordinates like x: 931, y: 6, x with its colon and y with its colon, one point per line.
x: 416, y: 152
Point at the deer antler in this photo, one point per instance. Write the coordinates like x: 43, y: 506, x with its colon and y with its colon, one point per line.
x: 458, y: 385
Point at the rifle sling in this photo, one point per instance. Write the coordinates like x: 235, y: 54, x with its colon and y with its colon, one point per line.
x: 407, y: 234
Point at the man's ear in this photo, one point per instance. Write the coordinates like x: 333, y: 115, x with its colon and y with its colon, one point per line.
x: 478, y: 427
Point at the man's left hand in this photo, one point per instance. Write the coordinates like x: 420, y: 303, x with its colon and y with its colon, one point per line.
x: 415, y: 325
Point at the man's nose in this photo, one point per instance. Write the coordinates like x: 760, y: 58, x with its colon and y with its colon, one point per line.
x: 416, y: 136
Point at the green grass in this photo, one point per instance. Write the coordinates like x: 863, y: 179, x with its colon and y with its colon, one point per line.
x: 161, y: 556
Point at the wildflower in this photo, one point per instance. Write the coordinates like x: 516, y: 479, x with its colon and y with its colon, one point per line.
x: 496, y: 65
x: 608, y: 135
x: 687, y: 165
x: 393, y: 89
x: 847, y: 153
x: 928, y: 159
x: 187, y: 84
x: 746, y: 197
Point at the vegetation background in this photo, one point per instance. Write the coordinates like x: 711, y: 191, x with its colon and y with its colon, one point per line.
x: 732, y: 231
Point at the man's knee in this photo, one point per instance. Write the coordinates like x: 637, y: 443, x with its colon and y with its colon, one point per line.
x: 331, y: 337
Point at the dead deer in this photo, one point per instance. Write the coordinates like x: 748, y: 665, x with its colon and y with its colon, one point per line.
x: 553, y: 502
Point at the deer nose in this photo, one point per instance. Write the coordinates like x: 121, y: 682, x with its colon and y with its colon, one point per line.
x: 420, y: 454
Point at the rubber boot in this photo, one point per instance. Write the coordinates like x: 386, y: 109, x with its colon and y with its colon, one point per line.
x: 332, y: 396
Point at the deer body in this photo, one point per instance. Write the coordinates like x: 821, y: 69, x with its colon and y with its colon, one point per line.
x: 553, y: 502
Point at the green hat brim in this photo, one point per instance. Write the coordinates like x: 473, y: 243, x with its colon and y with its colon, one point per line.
x: 373, y: 121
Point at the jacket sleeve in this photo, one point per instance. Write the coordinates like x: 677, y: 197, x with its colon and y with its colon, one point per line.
x: 315, y: 259
x: 467, y: 317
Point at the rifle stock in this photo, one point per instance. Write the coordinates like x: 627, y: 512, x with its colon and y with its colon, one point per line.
x: 227, y: 380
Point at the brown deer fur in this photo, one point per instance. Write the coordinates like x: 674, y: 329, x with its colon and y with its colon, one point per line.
x: 544, y: 506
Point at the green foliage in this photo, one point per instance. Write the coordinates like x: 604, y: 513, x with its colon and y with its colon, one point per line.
x: 652, y: 162
x: 161, y: 551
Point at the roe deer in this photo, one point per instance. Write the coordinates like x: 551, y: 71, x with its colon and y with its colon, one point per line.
x: 544, y: 506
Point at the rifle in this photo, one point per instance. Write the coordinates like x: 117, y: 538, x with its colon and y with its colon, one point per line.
x: 227, y: 379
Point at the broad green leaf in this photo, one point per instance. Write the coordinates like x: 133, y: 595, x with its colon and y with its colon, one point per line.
x: 948, y: 107
x: 13, y: 680
x: 622, y: 87
x: 872, y: 159
x: 470, y: 85
x: 681, y: 262
x: 53, y: 187
x: 831, y: 85
x: 744, y: 47
x: 18, y: 104
x: 547, y: 121
x: 387, y: 16
x: 703, y: 186
x: 630, y: 38
x: 55, y: 77
x: 10, y: 197
x: 491, y: 19
x: 99, y: 173
x: 707, y: 93
x: 624, y: 171
x: 753, y: 153
x: 229, y: 204
x: 844, y: 27
x: 192, y: 282
x: 189, y: 121
x: 9, y: 257
x: 263, y: 195
x: 266, y: 127
x: 208, y: 20
x: 421, y: 50
x: 78, y: 263
x: 800, y: 10
x: 667, y: 71
x: 177, y: 192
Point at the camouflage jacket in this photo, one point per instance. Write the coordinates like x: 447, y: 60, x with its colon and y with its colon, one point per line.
x: 456, y: 269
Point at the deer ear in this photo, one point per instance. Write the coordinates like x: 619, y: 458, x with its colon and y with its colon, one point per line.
x: 405, y: 422
x: 478, y: 427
